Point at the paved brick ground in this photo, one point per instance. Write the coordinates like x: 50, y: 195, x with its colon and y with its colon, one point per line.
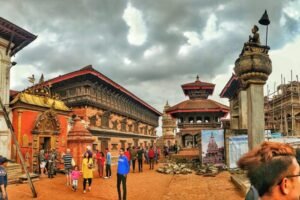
x: 148, y: 185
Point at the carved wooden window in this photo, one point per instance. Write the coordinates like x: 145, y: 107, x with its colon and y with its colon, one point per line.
x: 72, y: 91
x: 93, y: 120
x: 123, y: 124
x: 130, y: 127
x: 62, y: 93
x: 105, y: 119
x: 86, y: 90
x: 136, y: 127
x: 115, y: 124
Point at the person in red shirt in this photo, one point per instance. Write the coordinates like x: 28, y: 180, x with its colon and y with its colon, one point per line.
x: 127, y: 154
x: 151, y: 155
x: 100, y: 158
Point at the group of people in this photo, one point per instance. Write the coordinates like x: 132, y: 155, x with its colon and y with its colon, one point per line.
x: 172, y: 148
x: 103, y: 161
x: 48, y: 160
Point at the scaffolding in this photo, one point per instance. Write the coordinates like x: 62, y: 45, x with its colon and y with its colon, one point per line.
x: 282, y: 108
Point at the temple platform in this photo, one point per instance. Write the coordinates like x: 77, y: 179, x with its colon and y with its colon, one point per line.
x: 187, y: 153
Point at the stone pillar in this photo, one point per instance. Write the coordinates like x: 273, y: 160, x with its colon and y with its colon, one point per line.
x: 253, y: 68
x: 243, y: 110
x: 256, y: 116
x: 5, y: 138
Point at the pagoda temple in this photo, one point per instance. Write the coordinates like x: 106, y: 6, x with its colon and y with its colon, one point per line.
x: 196, y: 113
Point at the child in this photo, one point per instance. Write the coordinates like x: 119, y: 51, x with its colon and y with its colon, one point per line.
x: 75, y: 176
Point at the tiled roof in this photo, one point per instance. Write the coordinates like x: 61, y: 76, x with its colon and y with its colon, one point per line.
x: 198, y: 105
x: 15, y: 34
x: 40, y: 101
x: 90, y: 70
x: 231, y: 87
x: 198, y: 83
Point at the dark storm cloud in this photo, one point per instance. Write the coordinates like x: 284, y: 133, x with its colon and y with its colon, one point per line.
x: 75, y: 33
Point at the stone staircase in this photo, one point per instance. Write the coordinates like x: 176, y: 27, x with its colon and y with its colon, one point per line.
x: 14, y: 171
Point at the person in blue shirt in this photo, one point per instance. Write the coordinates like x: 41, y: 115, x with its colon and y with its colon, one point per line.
x: 123, y: 170
x: 108, y: 163
x: 3, y: 178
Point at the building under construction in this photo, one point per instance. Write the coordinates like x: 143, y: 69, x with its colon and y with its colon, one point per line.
x: 282, y: 109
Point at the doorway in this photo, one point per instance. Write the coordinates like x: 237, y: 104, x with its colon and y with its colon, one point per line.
x: 45, y: 143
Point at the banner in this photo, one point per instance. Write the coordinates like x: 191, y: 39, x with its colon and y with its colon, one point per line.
x: 212, y: 143
x: 238, y: 145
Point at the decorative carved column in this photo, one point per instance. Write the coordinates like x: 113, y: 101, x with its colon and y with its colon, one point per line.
x: 253, y: 68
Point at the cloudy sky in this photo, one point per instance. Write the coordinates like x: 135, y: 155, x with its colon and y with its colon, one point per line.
x: 151, y: 47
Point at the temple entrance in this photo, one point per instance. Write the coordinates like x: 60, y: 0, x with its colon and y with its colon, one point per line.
x: 45, y: 143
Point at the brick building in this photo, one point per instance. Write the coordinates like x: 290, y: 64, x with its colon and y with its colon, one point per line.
x: 115, y: 117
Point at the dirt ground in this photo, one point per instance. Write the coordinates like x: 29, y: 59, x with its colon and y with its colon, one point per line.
x: 148, y: 185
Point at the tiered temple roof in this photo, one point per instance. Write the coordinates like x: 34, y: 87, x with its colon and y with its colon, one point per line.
x: 198, y: 93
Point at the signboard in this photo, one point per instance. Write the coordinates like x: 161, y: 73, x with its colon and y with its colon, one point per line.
x: 212, y: 143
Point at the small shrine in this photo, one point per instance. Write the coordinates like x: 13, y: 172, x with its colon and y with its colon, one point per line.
x: 168, y: 128
x: 78, y: 139
x: 40, y: 121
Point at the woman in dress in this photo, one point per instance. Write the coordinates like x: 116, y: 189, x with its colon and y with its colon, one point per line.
x: 87, y: 171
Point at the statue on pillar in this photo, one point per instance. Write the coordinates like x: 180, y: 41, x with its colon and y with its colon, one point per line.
x: 255, y: 37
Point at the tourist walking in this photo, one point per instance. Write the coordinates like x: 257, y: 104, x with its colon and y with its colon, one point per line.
x: 151, y: 156
x: 3, y: 178
x: 140, y: 153
x: 67, y: 158
x: 43, y: 161
x: 51, y: 164
x: 133, y: 156
x: 100, y: 160
x: 87, y: 171
x: 75, y: 174
x: 108, y: 163
x: 122, y: 171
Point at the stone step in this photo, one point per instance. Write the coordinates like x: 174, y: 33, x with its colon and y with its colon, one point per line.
x: 14, y: 170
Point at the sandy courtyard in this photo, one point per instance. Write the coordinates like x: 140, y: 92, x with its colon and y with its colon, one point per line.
x: 148, y: 185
